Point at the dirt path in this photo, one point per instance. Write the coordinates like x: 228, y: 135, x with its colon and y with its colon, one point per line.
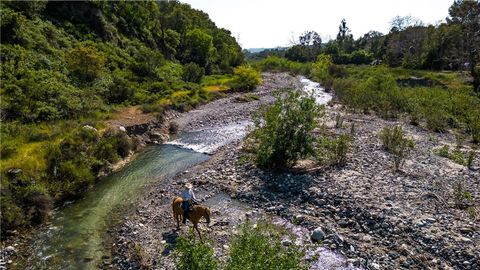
x: 130, y: 116
x: 376, y: 218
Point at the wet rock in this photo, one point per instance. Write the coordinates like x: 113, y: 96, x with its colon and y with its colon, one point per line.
x: 317, y: 235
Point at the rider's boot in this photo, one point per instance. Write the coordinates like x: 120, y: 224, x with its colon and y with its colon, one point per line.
x: 185, y: 213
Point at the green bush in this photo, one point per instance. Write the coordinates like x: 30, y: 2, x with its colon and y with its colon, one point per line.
x: 37, y: 203
x: 320, y: 70
x: 277, y: 64
x: 12, y: 215
x: 443, y: 151
x: 245, y: 78
x: 456, y: 155
x: 194, y: 255
x: 333, y: 151
x: 86, y: 62
x: 7, y: 149
x: 395, y: 142
x: 193, y: 73
x: 283, y: 131
x: 153, y: 107
x: 375, y: 89
x: 260, y: 247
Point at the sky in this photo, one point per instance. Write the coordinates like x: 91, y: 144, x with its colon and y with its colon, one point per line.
x: 272, y: 23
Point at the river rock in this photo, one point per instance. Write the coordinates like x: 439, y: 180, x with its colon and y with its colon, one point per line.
x: 317, y: 235
x: 286, y: 242
x: 10, y: 250
x: 13, y: 172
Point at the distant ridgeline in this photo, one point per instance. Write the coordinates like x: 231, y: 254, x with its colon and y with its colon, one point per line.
x: 68, y: 64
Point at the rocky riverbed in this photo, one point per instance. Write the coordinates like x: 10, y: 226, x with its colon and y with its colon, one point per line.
x: 375, y: 217
x: 365, y: 212
x: 364, y: 215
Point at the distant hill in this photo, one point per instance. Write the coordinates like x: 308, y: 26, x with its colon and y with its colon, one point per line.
x: 257, y: 50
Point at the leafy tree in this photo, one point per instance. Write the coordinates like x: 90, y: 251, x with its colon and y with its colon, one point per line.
x: 310, y: 45
x: 344, y: 37
x: 399, y: 23
x: 372, y: 42
x: 199, y: 47
x: 467, y: 15
x: 283, y: 132
x: 85, y: 62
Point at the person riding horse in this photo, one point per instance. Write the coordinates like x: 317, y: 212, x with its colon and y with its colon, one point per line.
x: 189, y: 200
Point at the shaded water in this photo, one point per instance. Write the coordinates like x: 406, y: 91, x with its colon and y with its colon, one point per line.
x: 73, y: 239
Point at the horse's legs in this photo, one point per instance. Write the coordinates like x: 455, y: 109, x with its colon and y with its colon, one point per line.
x: 196, y: 228
x: 178, y: 221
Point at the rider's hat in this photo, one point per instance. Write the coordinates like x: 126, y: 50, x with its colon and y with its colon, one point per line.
x: 188, y: 185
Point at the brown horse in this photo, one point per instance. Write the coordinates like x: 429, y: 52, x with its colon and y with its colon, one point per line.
x: 198, y: 211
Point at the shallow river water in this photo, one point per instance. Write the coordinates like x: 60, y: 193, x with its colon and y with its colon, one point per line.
x: 73, y: 239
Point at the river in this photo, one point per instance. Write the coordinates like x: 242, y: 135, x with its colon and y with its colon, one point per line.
x: 74, y: 238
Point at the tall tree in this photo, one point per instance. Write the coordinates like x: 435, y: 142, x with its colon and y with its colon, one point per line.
x: 345, y: 37
x: 400, y: 23
x: 467, y: 14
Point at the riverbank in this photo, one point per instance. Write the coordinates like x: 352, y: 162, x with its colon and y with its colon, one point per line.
x: 373, y: 217
x: 75, y: 219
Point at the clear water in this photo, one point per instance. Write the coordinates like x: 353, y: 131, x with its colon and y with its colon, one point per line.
x: 73, y: 239
x: 75, y: 235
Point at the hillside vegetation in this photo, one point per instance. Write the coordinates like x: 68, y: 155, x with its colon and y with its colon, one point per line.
x: 66, y: 66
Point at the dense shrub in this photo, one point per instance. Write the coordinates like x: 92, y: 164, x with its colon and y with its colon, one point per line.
x: 245, y: 78
x: 194, y: 255
x: 320, y: 70
x: 283, y: 131
x: 395, y: 142
x: 86, y: 62
x: 76, y: 161
x: 193, y: 73
x: 277, y: 64
x: 260, y: 247
x: 374, y: 89
x: 63, y: 63
x: 333, y: 151
x: 7, y: 149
